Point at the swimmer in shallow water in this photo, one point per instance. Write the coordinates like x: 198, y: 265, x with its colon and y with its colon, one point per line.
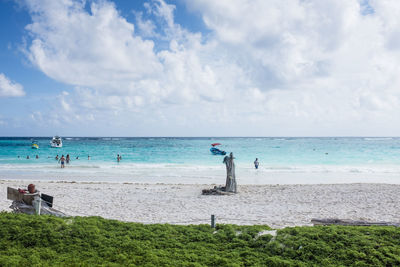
x: 256, y: 163
x: 62, y: 160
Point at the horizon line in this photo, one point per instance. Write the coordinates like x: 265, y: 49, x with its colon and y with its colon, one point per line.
x: 278, y: 136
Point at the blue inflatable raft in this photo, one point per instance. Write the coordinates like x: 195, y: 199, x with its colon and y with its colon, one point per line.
x: 216, y: 151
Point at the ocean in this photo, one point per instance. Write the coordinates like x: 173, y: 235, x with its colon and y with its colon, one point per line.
x: 282, y: 160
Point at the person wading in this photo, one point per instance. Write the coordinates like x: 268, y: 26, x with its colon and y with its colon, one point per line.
x: 62, y: 161
x: 256, y: 163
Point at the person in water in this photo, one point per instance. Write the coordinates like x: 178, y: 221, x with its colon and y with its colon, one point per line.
x: 77, y: 157
x: 57, y: 157
x: 27, y: 157
x: 118, y: 158
x: 67, y: 159
x: 88, y: 157
x: 62, y: 160
x: 256, y: 163
x: 37, y: 156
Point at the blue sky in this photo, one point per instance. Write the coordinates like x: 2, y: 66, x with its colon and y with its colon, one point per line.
x: 39, y: 88
x: 199, y: 68
x: 13, y: 19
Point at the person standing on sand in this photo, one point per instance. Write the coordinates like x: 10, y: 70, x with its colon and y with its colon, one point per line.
x: 256, y: 163
x: 67, y: 159
x: 62, y: 160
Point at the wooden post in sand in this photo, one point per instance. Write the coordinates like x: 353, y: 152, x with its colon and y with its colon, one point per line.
x: 212, y: 221
x: 230, y: 185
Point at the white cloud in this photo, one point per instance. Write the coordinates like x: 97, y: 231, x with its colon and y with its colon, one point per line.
x: 9, y: 88
x: 319, y: 62
x: 278, y: 67
x: 97, y: 49
x: 147, y: 27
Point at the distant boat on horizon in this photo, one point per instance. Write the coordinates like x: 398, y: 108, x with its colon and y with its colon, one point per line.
x: 35, y: 144
x: 56, y: 142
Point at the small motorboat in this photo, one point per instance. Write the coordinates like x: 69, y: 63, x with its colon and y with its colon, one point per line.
x: 35, y: 145
x: 216, y: 151
x: 56, y: 141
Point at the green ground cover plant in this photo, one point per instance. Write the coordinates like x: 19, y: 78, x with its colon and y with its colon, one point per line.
x: 49, y: 241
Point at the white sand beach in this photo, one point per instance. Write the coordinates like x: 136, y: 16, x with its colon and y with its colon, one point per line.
x: 274, y: 205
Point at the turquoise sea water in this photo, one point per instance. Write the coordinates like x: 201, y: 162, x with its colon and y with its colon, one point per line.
x: 153, y: 157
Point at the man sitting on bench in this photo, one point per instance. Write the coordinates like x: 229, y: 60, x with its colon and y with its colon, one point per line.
x: 31, y: 201
x: 28, y: 195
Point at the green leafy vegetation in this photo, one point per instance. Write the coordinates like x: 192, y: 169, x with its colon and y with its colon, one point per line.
x: 47, y: 241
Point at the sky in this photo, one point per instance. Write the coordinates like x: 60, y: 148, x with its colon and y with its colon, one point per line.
x: 200, y: 68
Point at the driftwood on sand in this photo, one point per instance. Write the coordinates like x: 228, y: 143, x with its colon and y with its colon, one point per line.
x: 220, y: 190
x: 230, y: 183
x: 351, y: 222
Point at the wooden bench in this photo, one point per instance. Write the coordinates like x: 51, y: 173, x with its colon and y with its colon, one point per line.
x: 15, y: 195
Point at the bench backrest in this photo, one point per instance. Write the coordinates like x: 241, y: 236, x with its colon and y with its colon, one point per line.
x: 14, y: 194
